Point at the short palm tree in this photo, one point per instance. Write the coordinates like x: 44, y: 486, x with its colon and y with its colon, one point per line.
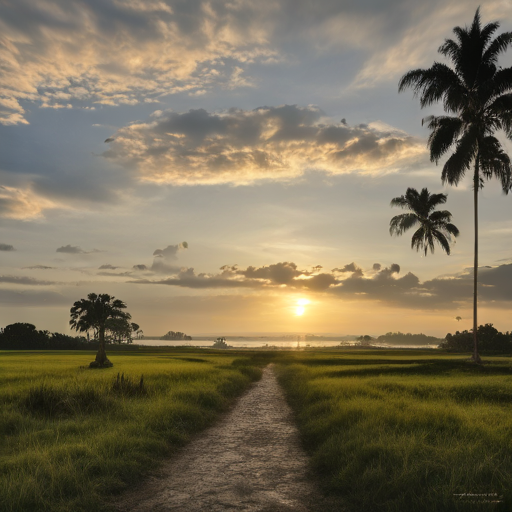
x: 434, y: 226
x: 93, y: 313
x: 477, y: 92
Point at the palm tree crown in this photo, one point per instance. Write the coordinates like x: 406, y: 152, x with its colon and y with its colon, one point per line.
x: 93, y: 313
x: 477, y: 92
x: 434, y: 226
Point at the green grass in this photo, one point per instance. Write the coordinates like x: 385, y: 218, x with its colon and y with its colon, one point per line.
x: 397, y: 431
x: 70, y: 436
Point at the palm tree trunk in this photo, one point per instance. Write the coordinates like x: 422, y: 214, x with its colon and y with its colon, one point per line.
x: 101, y: 356
x: 476, y: 184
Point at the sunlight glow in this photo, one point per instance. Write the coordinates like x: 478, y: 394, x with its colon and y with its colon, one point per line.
x: 300, y: 309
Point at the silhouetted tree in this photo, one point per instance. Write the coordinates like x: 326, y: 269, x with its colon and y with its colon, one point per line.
x: 220, y: 343
x: 22, y: 336
x: 434, y: 226
x: 93, y: 313
x: 119, y: 330
x: 489, y: 338
x: 477, y: 94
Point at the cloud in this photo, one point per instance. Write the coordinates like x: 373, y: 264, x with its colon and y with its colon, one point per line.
x: 279, y: 275
x: 22, y: 203
x: 163, y: 258
x: 351, y: 267
x: 25, y: 281
x: 267, y: 143
x: 6, y: 247
x: 32, y: 298
x: 70, y: 53
x: 415, y: 42
x: 140, y: 267
x: 81, y: 53
x: 384, y: 285
x: 107, y: 267
x: 115, y: 274
x: 74, y: 249
x: 40, y: 267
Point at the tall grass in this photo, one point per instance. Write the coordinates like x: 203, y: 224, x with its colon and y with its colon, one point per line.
x: 406, y: 431
x: 70, y: 437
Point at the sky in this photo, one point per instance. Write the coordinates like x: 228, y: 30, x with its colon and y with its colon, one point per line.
x: 219, y: 164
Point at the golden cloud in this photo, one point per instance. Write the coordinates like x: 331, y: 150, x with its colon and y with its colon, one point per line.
x: 268, y: 143
x: 120, y: 52
x: 23, y: 203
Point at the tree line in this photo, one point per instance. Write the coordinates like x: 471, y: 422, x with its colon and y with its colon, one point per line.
x: 25, y: 336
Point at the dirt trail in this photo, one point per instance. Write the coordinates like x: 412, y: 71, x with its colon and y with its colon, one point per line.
x: 251, y: 460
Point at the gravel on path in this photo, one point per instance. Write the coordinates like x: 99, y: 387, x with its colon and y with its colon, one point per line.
x: 251, y: 460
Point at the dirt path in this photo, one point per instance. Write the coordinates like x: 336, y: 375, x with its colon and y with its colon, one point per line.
x: 250, y: 461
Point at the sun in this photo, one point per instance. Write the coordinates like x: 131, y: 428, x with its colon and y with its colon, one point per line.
x: 300, y: 309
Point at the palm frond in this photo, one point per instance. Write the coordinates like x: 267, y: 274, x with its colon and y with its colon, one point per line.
x: 494, y: 162
x: 452, y: 229
x: 440, y: 217
x: 442, y: 240
x: 487, y: 32
x: 498, y: 45
x: 501, y: 83
x: 401, y: 223
x: 460, y: 161
x: 435, y: 200
x: 401, y: 202
x: 433, y: 84
x: 418, y: 239
x: 444, y: 134
x: 450, y: 49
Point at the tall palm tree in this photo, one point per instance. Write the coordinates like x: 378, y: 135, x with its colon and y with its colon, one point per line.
x: 478, y: 95
x: 434, y: 226
x: 93, y: 313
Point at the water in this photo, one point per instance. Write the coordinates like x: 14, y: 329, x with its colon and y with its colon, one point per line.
x: 267, y: 343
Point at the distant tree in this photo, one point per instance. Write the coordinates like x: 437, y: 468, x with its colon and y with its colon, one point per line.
x: 220, y: 343
x: 118, y: 330
x: 23, y: 336
x: 365, y: 341
x: 490, y: 340
x: 434, y: 226
x: 477, y: 92
x: 93, y: 313
x: 399, y: 338
x: 176, y: 335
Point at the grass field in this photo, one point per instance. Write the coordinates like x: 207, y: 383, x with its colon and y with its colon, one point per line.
x: 388, y: 430
x: 410, y: 430
x: 71, y: 436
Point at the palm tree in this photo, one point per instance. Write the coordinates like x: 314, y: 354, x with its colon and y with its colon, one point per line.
x: 93, y: 313
x: 434, y: 226
x: 478, y: 95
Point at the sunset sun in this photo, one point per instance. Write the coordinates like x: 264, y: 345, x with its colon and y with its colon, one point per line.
x: 300, y: 309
